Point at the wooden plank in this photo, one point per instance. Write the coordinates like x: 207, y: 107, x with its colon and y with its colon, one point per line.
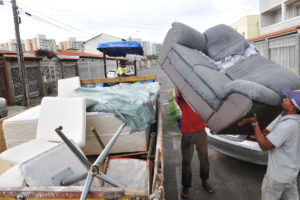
x: 117, y: 80
x: 3, y: 146
x: 4, y: 166
x: 158, y: 176
x: 71, y: 192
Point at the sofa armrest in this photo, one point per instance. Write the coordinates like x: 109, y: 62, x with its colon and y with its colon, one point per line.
x: 254, y: 91
x: 184, y: 35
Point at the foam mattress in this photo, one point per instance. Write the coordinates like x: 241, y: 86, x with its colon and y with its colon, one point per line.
x: 22, y: 128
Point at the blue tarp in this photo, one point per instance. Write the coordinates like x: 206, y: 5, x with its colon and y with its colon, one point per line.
x: 120, y: 48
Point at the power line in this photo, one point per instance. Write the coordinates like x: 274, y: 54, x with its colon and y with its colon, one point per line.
x: 50, y: 23
x: 88, y: 35
x: 111, y: 18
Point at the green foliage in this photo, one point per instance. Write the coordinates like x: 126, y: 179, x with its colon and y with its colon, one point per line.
x: 19, y: 103
x: 49, y: 90
x: 45, y: 53
x: 152, y: 57
x: 173, y: 112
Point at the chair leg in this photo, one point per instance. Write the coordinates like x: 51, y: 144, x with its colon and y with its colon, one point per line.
x: 94, y: 169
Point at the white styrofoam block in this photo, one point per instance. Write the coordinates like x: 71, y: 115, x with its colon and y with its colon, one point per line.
x: 68, y: 112
x: 29, y: 114
x: 67, y: 85
x: 13, y: 177
x: 26, y: 151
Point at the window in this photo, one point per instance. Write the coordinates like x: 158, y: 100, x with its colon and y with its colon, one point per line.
x: 297, y: 10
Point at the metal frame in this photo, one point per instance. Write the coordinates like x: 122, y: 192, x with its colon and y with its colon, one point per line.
x: 94, y: 170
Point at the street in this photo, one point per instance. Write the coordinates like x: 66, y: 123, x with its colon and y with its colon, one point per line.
x: 233, y: 179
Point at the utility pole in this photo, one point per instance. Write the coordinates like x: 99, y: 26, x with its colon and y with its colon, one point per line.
x: 20, y: 52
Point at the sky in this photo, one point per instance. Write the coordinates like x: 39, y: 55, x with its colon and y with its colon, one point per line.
x: 146, y: 19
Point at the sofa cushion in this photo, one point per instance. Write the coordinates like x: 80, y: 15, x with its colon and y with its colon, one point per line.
x: 265, y: 72
x: 254, y: 91
x: 193, y: 57
x: 192, y: 79
x: 214, y: 79
x: 222, y: 40
x: 188, y: 36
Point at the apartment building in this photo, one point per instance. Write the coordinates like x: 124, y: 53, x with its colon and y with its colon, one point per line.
x: 71, y: 44
x: 29, y: 45
x: 247, y: 26
x: 276, y: 15
x: 156, y: 48
x: 146, y: 48
x: 12, y: 45
x: 279, y: 38
x: 4, y: 46
x: 41, y: 42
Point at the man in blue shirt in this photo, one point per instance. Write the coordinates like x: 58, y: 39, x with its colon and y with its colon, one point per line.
x: 283, y: 146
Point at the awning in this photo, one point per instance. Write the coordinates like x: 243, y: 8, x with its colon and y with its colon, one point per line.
x: 120, y: 48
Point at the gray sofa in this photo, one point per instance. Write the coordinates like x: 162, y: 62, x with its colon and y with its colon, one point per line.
x: 222, y: 98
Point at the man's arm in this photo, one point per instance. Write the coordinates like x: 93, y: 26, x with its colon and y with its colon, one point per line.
x: 263, y: 142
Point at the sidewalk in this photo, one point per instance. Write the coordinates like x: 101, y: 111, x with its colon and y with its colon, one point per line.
x: 15, y: 109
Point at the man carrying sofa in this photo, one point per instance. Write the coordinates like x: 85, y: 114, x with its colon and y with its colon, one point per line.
x: 193, y: 134
x: 283, y: 144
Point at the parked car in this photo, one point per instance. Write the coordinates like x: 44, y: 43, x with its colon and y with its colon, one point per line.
x: 3, y: 108
x: 129, y: 71
x: 112, y: 74
x: 242, y: 147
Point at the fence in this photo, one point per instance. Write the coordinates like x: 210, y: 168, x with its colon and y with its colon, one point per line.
x: 42, y: 75
x: 283, y: 50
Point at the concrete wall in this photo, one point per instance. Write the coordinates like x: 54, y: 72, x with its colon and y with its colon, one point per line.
x: 268, y: 4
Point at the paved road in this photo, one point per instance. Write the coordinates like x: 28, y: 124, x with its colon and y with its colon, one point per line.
x: 232, y: 179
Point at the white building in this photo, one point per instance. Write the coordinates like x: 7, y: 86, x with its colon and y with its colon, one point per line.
x: 276, y: 15
x: 90, y: 46
x: 156, y: 48
x: 146, y: 47
x: 41, y: 42
x: 71, y: 44
x: 12, y: 45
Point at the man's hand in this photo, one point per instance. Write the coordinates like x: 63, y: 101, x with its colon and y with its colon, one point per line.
x: 263, y: 142
x: 248, y: 120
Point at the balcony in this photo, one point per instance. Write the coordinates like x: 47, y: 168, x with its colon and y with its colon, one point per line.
x: 280, y: 26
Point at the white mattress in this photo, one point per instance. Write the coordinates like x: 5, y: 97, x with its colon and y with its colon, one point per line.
x: 22, y: 128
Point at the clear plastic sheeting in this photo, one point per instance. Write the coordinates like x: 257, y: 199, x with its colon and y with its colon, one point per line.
x: 132, y: 103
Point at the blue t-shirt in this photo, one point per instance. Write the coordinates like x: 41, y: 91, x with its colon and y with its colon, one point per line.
x: 284, y: 158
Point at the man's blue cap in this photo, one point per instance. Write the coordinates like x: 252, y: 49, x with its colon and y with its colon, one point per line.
x: 293, y: 95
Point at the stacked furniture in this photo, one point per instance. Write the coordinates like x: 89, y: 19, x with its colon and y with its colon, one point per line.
x: 223, y: 96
